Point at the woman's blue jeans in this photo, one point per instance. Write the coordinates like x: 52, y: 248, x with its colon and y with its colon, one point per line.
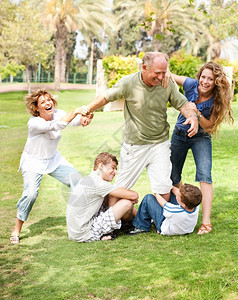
x: 201, y: 147
x: 150, y: 209
x: 31, y: 188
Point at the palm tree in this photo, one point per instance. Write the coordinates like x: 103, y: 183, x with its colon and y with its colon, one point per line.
x: 221, y: 21
x: 175, y: 16
x: 162, y: 18
x: 63, y: 16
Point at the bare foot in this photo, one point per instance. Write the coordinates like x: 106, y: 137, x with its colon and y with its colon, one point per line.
x: 106, y: 238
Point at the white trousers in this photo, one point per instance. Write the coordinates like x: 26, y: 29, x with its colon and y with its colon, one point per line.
x: 154, y: 157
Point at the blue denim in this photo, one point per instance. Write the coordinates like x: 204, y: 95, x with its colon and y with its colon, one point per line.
x: 32, y: 182
x: 201, y: 146
x: 150, y: 209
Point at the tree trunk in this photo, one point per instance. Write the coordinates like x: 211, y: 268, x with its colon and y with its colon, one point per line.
x: 157, y: 29
x: 91, y: 62
x: 28, y: 79
x: 216, y: 50
x: 155, y: 45
x: 63, y: 66
x: 57, y: 65
x: 60, y: 55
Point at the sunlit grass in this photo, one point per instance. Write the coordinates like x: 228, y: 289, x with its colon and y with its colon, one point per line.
x: 46, y: 265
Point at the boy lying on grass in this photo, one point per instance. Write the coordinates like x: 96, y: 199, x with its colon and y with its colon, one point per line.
x: 96, y: 207
x: 178, y: 216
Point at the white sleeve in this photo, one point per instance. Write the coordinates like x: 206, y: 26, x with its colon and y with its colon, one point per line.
x: 105, y: 188
x: 76, y: 121
x: 39, y: 125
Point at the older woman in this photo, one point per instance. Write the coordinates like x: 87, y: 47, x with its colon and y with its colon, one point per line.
x: 40, y: 155
x: 211, y: 96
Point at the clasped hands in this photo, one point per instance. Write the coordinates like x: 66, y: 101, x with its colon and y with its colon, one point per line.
x: 87, y: 116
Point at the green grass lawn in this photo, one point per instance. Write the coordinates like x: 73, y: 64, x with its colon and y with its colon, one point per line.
x: 46, y: 265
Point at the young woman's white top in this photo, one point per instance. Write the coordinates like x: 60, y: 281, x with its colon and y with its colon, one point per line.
x: 40, y: 154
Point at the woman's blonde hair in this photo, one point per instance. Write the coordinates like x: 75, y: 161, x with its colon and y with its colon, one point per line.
x: 31, y: 100
x: 221, y: 110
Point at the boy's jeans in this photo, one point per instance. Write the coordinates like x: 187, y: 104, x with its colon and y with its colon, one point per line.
x: 151, y: 209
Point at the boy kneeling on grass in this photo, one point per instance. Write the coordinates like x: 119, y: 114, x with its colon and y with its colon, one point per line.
x: 96, y: 207
x: 178, y: 216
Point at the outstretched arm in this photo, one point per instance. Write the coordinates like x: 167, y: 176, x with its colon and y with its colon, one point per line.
x: 175, y: 78
x: 98, y: 102
x: 175, y: 190
x: 83, y: 110
x: 179, y: 79
x: 160, y: 199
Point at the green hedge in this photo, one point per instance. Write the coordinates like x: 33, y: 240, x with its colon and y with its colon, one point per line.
x: 117, y: 66
x: 180, y: 63
x: 184, y: 64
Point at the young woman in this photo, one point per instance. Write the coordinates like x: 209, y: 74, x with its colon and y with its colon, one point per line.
x: 210, y: 92
x: 40, y: 155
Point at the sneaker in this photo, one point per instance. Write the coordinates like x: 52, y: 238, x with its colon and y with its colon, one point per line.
x: 137, y: 231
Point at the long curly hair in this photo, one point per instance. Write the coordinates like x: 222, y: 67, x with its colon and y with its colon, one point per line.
x: 31, y: 101
x: 221, y: 110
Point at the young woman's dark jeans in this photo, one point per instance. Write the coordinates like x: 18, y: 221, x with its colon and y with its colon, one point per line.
x: 201, y: 147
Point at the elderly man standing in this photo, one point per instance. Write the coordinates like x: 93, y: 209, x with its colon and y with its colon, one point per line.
x: 146, y: 136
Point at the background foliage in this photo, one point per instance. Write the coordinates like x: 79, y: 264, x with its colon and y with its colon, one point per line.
x: 204, y: 29
x: 181, y: 63
x: 117, y: 66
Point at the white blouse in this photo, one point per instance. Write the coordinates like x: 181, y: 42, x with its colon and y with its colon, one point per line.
x: 40, y: 154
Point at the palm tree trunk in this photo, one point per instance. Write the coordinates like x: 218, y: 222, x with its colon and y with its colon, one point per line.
x: 155, y: 45
x: 157, y: 29
x: 63, y: 65
x: 60, y: 54
x: 91, y: 62
x: 57, y: 64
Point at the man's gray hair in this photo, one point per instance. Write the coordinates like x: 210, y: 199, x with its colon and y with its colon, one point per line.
x: 150, y: 56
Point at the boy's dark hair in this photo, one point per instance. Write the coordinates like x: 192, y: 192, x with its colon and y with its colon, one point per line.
x: 104, y: 158
x: 190, y: 195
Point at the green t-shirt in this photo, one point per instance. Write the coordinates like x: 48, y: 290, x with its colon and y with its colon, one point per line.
x: 145, y: 108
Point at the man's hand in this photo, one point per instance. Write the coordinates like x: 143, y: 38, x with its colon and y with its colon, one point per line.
x: 83, y: 110
x: 189, y: 111
x: 193, y: 121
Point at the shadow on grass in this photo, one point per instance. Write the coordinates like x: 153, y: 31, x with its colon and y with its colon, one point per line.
x: 143, y: 265
x: 45, y: 225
